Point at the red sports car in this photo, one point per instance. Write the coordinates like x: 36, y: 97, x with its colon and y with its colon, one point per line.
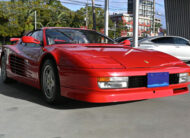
x: 88, y: 66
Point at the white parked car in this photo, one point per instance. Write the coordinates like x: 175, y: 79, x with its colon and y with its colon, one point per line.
x: 173, y: 45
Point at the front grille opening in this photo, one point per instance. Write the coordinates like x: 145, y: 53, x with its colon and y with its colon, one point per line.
x: 137, y: 81
x: 180, y: 90
x: 141, y: 81
x: 174, y: 78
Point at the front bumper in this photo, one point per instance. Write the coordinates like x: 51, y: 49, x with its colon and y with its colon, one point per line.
x: 82, y: 85
x: 121, y: 95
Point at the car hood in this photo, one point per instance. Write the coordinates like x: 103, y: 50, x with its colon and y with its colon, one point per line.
x: 117, y: 56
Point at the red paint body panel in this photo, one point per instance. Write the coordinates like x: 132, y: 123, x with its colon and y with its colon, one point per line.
x: 122, y: 95
x: 82, y: 85
x: 79, y: 66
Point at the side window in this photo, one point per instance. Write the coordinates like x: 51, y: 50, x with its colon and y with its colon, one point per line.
x: 181, y: 41
x: 29, y: 34
x: 37, y: 35
x: 163, y: 40
x: 40, y: 36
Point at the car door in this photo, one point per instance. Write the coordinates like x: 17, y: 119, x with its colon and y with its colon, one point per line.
x: 17, y: 62
x: 164, y: 44
x: 182, y: 48
x: 31, y: 53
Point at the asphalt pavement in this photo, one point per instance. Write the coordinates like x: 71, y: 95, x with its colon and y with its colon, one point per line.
x: 23, y: 114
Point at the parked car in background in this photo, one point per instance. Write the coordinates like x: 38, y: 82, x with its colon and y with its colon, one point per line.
x: 139, y: 38
x: 88, y: 66
x: 173, y: 45
x: 121, y: 39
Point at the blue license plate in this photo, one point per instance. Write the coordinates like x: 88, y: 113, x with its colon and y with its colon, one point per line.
x: 160, y: 79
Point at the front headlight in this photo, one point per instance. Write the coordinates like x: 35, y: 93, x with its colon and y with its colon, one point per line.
x: 113, y: 82
x: 184, y: 77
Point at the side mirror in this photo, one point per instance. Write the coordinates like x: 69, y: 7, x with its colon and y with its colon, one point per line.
x: 126, y: 43
x: 14, y: 39
x: 30, y: 39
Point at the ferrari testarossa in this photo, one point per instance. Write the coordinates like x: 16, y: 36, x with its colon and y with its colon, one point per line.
x: 88, y: 66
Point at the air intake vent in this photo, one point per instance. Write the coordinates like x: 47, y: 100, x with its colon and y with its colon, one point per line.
x: 17, y: 65
x: 137, y: 81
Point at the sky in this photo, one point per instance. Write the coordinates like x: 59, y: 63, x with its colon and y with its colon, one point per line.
x: 114, y: 6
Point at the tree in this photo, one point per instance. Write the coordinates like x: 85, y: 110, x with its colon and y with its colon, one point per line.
x: 17, y: 17
x: 157, y: 26
x: 9, y: 21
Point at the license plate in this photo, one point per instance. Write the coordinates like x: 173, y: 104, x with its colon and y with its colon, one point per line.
x: 160, y: 79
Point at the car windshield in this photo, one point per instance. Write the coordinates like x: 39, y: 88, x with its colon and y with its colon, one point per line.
x: 64, y: 36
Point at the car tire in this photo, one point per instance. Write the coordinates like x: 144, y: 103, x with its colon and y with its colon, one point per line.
x: 50, y: 83
x: 4, y: 77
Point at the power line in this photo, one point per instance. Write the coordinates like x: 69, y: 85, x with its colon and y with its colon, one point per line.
x: 74, y: 2
x: 84, y: 3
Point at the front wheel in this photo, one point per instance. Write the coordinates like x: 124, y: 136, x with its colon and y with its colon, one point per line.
x: 50, y: 82
x: 4, y: 77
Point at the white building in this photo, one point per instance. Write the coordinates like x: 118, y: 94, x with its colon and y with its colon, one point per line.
x: 127, y: 20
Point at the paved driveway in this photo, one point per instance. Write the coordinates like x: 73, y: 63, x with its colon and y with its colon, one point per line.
x: 24, y: 115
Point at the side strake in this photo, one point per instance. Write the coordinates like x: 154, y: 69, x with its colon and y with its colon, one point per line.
x: 17, y: 65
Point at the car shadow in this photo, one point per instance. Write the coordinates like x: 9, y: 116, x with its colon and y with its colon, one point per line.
x: 28, y: 93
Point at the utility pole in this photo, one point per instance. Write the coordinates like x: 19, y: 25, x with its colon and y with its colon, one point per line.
x: 94, y: 15
x: 135, y: 22
x: 87, y: 14
x: 35, y: 20
x: 154, y: 30
x: 106, y: 17
x: 115, y: 29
